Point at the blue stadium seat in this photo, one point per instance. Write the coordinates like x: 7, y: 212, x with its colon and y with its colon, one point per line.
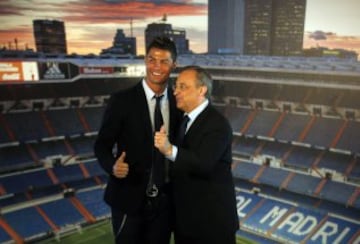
x: 275, y: 149
x: 18, y: 183
x: 331, y: 191
x: 245, y: 170
x: 93, y: 116
x: 65, y: 122
x: 350, y: 138
x: 335, y: 161
x: 62, y: 212
x: 27, y: 222
x: 245, y: 145
x: 82, y: 145
x: 15, y: 157
x: 4, y: 236
x: 27, y: 126
x: 237, y: 117
x: 45, y: 149
x: 94, y: 168
x: 68, y: 173
x: 273, y: 177
x: 302, y: 157
x: 291, y: 127
x: 263, y: 123
x: 323, y: 131
x: 93, y: 201
x: 303, y: 184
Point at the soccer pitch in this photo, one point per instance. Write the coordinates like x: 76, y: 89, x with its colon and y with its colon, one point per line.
x: 102, y: 233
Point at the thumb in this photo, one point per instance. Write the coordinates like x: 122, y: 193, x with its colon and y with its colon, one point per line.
x: 162, y: 129
x: 122, y: 156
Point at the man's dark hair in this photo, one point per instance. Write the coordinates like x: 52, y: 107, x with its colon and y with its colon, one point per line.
x: 164, y: 43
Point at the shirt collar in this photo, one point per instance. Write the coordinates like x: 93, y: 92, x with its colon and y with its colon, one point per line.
x: 149, y: 93
x: 195, y: 112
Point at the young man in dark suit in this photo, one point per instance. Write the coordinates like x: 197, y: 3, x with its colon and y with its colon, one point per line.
x: 137, y: 190
x: 203, y: 189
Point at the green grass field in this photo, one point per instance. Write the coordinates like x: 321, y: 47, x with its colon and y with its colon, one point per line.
x: 101, y: 233
x: 98, y: 233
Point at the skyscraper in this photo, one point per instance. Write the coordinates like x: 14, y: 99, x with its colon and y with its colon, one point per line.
x: 162, y: 29
x: 287, y: 31
x: 256, y: 27
x: 50, y: 36
x: 121, y: 44
x: 225, y: 26
x: 257, y: 31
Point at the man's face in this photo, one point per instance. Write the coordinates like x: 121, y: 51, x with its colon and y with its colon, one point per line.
x: 189, y: 94
x: 159, y: 65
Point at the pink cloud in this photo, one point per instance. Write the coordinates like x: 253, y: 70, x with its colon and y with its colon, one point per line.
x: 86, y: 14
x: 333, y: 41
x: 123, y: 12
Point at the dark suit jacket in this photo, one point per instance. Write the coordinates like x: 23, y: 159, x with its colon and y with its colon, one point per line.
x: 204, y: 194
x: 126, y: 124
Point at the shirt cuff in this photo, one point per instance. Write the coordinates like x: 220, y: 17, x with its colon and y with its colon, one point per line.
x: 172, y: 157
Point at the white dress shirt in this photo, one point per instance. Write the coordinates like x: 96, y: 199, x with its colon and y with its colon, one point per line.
x: 151, y: 101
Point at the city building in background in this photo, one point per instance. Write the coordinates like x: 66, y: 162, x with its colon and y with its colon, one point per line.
x: 226, y: 26
x: 162, y: 29
x: 326, y: 52
x: 257, y: 31
x: 287, y: 28
x: 50, y: 36
x: 256, y: 27
x: 122, y: 45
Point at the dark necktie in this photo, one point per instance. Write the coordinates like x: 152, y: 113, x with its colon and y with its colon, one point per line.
x: 158, y: 119
x: 182, y: 130
x: 158, y: 167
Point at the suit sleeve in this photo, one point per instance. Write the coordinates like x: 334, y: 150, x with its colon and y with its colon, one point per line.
x: 109, y: 134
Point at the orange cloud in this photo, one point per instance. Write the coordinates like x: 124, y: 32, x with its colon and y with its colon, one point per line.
x: 90, y: 25
x: 333, y: 41
x: 100, y: 12
x: 23, y: 35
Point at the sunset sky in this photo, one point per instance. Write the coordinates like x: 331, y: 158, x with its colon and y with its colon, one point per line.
x: 91, y: 24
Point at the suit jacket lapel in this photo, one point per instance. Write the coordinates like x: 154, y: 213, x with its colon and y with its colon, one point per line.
x: 174, y: 115
x: 198, y: 122
x: 141, y: 106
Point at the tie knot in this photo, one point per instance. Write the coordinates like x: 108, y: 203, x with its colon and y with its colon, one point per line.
x: 184, y: 123
x: 185, y: 119
x: 158, y: 98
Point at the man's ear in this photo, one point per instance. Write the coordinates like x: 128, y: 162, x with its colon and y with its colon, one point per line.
x: 174, y: 65
x: 203, y: 90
